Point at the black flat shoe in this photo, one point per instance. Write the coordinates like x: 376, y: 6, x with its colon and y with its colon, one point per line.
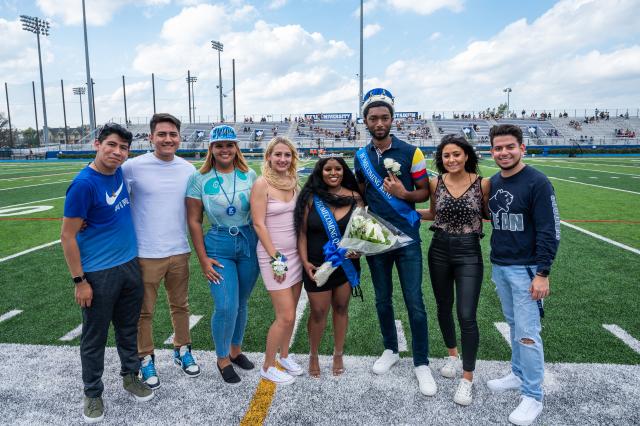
x: 228, y: 374
x: 242, y: 362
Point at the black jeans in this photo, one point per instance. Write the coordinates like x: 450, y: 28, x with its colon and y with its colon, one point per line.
x: 457, y: 258
x: 117, y: 298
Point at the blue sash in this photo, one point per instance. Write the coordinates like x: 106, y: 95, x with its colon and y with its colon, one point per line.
x: 333, y: 253
x: 400, y: 206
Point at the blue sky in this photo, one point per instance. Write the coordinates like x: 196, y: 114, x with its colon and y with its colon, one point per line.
x: 297, y: 56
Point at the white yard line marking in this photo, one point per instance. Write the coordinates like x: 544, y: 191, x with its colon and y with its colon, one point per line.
x: 586, y: 170
x: 39, y: 184
x: 10, y: 314
x: 581, y: 183
x: 621, y: 334
x: 72, y: 334
x: 302, y: 304
x: 32, y: 249
x: 193, y: 320
x: 402, y: 339
x: 37, y: 176
x: 504, y: 330
x: 600, y: 237
x: 597, y: 186
x: 32, y: 202
x: 586, y: 163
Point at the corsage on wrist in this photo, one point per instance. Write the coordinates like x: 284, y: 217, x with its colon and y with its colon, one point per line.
x: 279, y: 264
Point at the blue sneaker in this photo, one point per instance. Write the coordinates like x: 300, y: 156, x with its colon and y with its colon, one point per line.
x: 148, y: 372
x: 182, y: 358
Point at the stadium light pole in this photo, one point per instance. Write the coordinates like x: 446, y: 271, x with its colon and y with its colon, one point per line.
x: 38, y: 26
x: 216, y: 45
x: 80, y: 91
x: 190, y: 80
x: 360, y: 93
x: 92, y: 116
x: 6, y: 92
x: 508, y: 91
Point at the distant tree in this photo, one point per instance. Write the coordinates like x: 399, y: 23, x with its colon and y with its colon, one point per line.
x: 502, y: 109
x: 5, y: 137
x: 30, y: 137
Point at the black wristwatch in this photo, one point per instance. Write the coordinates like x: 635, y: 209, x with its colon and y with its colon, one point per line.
x: 543, y: 273
x: 79, y: 279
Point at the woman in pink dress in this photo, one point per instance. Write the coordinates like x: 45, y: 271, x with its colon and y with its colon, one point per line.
x: 273, y: 200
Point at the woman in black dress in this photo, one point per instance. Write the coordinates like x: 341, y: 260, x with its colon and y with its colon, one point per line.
x: 334, y: 183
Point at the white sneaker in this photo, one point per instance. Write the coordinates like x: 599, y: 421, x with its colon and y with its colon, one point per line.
x: 508, y: 382
x: 387, y: 360
x: 526, y: 412
x: 463, y: 394
x: 292, y: 367
x: 450, y: 368
x: 276, y: 376
x: 426, y: 383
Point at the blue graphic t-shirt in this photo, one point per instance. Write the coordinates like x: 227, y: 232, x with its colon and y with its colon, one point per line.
x: 103, y: 202
x: 217, y: 194
x: 525, y: 219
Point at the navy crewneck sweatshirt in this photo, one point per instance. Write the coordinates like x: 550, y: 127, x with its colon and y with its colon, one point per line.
x: 525, y: 219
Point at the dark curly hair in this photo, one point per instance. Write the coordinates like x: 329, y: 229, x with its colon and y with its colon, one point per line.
x: 471, y: 165
x: 315, y: 185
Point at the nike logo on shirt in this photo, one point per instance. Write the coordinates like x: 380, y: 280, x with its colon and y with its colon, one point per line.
x: 111, y: 200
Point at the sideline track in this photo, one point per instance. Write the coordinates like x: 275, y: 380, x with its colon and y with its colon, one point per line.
x: 42, y: 384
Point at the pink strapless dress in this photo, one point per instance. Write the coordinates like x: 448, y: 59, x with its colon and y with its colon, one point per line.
x: 279, y: 222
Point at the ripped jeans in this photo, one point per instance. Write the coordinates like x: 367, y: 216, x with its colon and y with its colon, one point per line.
x: 523, y: 316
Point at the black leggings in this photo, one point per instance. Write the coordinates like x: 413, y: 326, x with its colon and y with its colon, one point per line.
x: 457, y: 258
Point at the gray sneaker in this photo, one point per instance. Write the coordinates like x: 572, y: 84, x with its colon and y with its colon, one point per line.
x: 140, y: 391
x: 93, y: 411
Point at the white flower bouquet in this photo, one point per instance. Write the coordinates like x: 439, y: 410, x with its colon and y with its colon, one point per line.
x: 366, y: 234
x: 392, y: 166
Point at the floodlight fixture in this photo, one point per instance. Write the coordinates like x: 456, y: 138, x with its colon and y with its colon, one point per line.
x: 508, y: 91
x: 216, y: 45
x: 38, y: 26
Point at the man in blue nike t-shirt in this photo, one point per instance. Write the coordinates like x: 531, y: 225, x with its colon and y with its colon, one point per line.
x: 102, y: 259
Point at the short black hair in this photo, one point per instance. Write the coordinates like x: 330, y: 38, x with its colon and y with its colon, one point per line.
x: 470, y: 166
x: 506, y: 130
x: 377, y: 104
x: 163, y: 117
x: 111, y: 128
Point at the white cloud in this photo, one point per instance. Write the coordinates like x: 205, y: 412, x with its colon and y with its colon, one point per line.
x: 547, y: 62
x: 435, y: 36
x: 279, y: 67
x: 371, y: 30
x: 277, y: 4
x: 18, y: 52
x: 425, y: 7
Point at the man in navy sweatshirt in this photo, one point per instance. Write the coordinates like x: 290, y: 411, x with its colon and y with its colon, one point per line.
x: 524, y: 241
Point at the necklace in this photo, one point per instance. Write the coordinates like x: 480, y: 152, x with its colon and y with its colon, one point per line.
x: 231, y: 210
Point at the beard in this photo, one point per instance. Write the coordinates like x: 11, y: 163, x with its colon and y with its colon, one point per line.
x: 373, y: 133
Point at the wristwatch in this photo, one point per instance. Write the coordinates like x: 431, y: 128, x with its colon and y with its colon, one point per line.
x: 543, y: 273
x: 79, y: 279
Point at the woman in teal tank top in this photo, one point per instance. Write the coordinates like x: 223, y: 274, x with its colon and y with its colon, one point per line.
x: 227, y: 253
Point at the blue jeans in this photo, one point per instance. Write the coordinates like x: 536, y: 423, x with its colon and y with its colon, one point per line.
x: 408, y: 261
x: 238, y: 255
x: 523, y: 316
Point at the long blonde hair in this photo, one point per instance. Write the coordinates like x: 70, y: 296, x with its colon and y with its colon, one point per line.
x: 272, y: 178
x: 239, y: 162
